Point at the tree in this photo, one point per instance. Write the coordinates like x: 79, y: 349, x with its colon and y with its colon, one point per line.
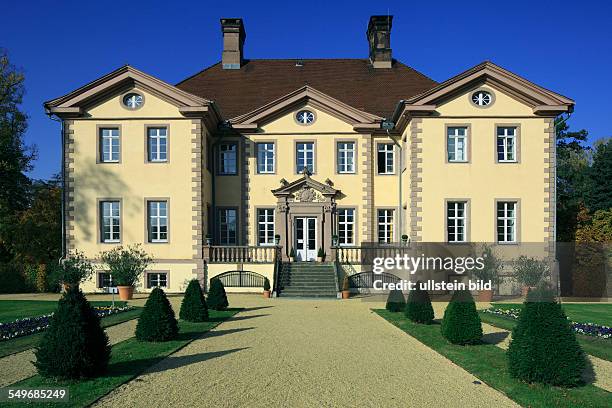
x: 157, y: 321
x: 217, y: 298
x: 193, y: 307
x: 126, y: 265
x: 461, y: 323
x: 598, y: 194
x: 395, y: 301
x: 544, y: 347
x: 74, y: 345
x: 418, y: 307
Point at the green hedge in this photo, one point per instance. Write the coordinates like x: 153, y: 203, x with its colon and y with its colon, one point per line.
x: 461, y: 323
x: 157, y: 321
x: 419, y: 308
x: 193, y: 307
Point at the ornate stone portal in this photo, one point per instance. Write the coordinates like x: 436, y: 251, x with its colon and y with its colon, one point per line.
x: 305, y: 197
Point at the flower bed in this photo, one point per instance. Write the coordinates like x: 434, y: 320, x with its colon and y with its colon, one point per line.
x: 587, y: 329
x: 31, y: 325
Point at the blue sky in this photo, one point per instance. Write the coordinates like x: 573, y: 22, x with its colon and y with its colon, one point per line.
x: 564, y: 46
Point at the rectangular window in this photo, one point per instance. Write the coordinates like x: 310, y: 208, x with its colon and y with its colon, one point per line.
x: 346, y: 157
x: 228, y: 158
x: 506, y: 221
x: 109, y: 145
x: 456, y: 221
x: 265, y: 158
x: 346, y: 226
x: 506, y: 144
x: 456, y: 144
x: 304, y: 154
x: 157, y: 144
x: 111, y: 221
x: 157, y: 280
x: 385, y: 226
x: 157, y: 215
x: 104, y: 280
x: 386, y: 158
x: 265, y: 226
x: 228, y: 226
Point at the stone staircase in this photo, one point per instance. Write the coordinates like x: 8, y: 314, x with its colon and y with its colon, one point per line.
x: 307, y: 279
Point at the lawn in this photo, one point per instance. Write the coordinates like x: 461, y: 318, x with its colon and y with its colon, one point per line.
x: 488, y: 363
x: 129, y: 358
x: 598, y: 313
x: 19, y: 344
x: 11, y: 310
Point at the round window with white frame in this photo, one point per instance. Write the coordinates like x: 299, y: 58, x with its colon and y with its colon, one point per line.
x: 482, y: 98
x: 132, y: 100
x: 305, y: 117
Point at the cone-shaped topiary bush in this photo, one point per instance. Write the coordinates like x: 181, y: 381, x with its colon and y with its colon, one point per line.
x: 418, y: 308
x: 217, y: 299
x: 461, y: 323
x: 396, y: 301
x: 74, y: 345
x: 157, y: 321
x: 193, y: 307
x: 544, y: 347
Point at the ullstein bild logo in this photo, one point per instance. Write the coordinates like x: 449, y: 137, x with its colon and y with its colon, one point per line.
x: 414, y: 264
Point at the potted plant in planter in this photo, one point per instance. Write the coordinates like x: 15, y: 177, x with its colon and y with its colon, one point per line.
x: 73, y: 270
x: 208, y: 239
x: 529, y: 272
x: 489, y: 273
x: 334, y: 240
x: 320, y: 255
x: 266, y: 288
x: 346, y: 288
x: 292, y: 255
x: 276, y: 239
x: 404, y: 239
x: 126, y: 266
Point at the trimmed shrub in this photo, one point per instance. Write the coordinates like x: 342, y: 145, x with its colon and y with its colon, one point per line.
x: 217, y: 298
x: 193, y: 307
x: 157, y: 321
x: 74, y: 345
x: 461, y: 323
x: 419, y: 308
x: 266, y: 285
x: 395, y: 301
x: 544, y: 348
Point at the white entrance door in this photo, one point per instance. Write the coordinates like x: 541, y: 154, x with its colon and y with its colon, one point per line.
x: 305, y: 238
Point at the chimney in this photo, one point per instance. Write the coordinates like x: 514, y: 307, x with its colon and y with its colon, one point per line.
x: 233, y: 42
x: 379, y: 40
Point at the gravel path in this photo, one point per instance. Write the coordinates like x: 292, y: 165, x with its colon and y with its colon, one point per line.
x: 17, y: 367
x: 305, y: 353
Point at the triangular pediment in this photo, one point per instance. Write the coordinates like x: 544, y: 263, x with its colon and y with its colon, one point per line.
x: 306, y: 189
x: 312, y: 97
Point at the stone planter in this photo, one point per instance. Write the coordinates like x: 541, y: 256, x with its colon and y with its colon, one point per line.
x: 320, y: 259
x: 525, y: 290
x: 266, y: 294
x: 346, y: 294
x: 485, y: 295
x: 126, y: 292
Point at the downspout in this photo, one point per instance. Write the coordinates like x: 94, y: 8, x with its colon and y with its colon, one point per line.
x: 394, y: 117
x: 63, y: 183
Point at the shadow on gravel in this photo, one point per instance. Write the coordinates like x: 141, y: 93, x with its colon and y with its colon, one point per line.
x: 250, y: 309
x: 217, y: 333
x: 495, y: 338
x: 236, y: 318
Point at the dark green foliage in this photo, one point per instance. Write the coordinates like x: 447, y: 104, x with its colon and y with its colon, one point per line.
x: 396, y: 301
x: 217, y: 298
x: 461, y: 323
x: 266, y: 284
x: 157, y: 321
x: 598, y: 186
x: 544, y: 347
x: 418, y: 308
x: 74, y: 345
x: 194, y: 307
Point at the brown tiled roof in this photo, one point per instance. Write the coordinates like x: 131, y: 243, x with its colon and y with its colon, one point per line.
x: 352, y: 81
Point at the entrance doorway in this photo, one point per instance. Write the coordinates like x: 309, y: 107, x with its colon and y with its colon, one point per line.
x: 305, y: 238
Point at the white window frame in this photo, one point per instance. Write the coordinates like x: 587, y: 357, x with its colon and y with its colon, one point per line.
x: 265, y: 226
x: 154, y: 149
x: 114, y: 221
x: 386, y: 226
x: 226, y: 151
x: 459, y: 223
x: 454, y: 133
x: 388, y: 151
x: 508, y: 224
x: 505, y: 138
x: 346, y: 226
x: 156, y: 277
x: 346, y: 157
x: 155, y: 222
x: 301, y: 154
x: 224, y: 226
x: 266, y: 157
x: 107, y: 137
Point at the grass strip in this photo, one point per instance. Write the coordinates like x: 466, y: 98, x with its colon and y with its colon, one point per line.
x: 595, y: 346
x: 488, y: 363
x: 598, y: 313
x: 129, y: 359
x: 11, y: 310
x: 19, y: 344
